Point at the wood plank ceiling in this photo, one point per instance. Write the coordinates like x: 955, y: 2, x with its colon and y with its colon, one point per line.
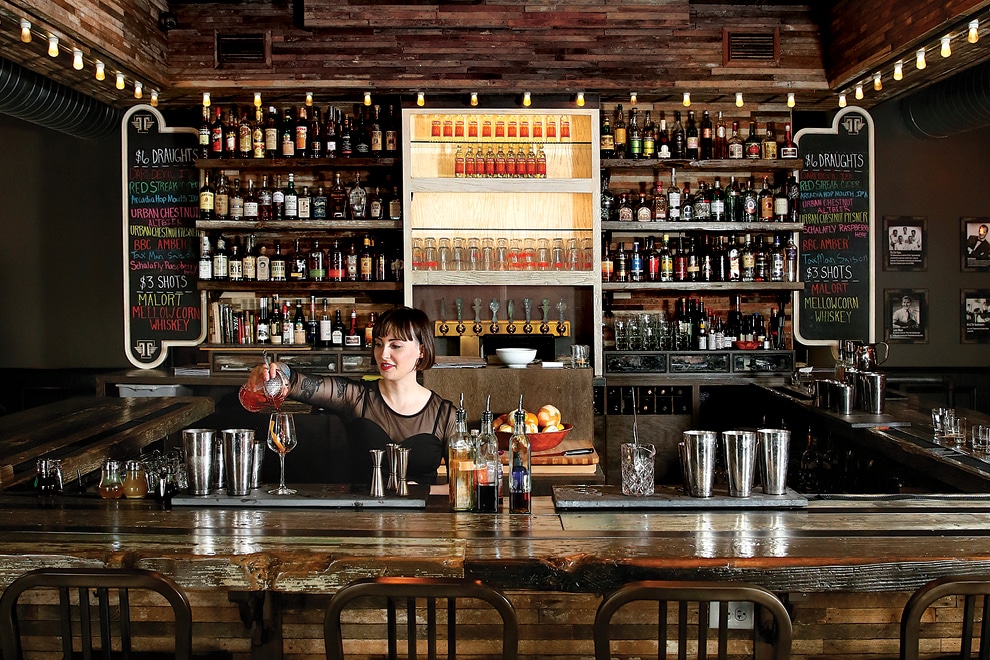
x: 340, y: 48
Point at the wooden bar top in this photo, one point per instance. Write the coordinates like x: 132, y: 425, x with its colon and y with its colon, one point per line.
x: 855, y: 543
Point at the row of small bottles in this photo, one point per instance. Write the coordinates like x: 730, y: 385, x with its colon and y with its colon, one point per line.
x: 705, y: 141
x: 522, y: 128
x: 780, y: 202
x: 275, y: 322
x: 226, y: 201
x: 254, y: 262
x: 474, y: 469
x: 367, y: 132
x: 703, y: 257
x: 501, y: 163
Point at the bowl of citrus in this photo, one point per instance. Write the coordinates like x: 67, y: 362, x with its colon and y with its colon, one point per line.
x: 544, y: 428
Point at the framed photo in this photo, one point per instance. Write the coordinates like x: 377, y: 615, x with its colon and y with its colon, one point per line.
x: 975, y: 244
x: 975, y: 316
x: 906, y: 315
x: 905, y: 246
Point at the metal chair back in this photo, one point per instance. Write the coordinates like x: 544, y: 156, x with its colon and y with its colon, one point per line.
x: 974, y: 590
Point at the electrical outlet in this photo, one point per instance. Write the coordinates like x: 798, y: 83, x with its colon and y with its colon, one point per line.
x: 740, y: 616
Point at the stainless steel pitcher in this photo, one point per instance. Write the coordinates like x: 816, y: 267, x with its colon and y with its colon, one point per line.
x: 866, y: 356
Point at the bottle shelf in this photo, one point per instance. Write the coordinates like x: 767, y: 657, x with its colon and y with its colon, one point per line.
x: 282, y: 348
x: 287, y: 164
x: 721, y: 165
x: 664, y: 227
x: 494, y: 185
x: 299, y: 225
x: 504, y: 278
x: 702, y: 286
x: 298, y: 288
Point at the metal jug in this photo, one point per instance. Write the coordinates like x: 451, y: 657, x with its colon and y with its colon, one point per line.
x: 866, y: 356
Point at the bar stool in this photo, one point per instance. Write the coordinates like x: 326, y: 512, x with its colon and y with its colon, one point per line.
x: 974, y: 588
x: 102, y: 581
x: 689, y: 603
x: 397, y: 591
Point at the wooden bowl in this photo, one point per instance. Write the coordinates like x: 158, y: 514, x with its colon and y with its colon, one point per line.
x: 537, y: 441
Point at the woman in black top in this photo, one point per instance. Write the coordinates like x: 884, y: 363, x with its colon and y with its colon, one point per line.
x: 395, y: 408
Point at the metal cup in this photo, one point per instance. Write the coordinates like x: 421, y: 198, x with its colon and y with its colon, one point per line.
x: 874, y: 386
x: 699, y: 462
x: 238, y: 455
x: 257, y: 462
x: 740, y: 461
x: 845, y: 397
x: 198, y: 445
x: 775, y: 444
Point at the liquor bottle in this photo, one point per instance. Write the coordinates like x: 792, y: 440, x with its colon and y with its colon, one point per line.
x: 643, y: 211
x: 620, y: 133
x: 788, y: 149
x: 753, y: 145
x: 261, y: 331
x: 369, y: 332
x: 777, y: 261
x: 319, y: 206
x: 703, y: 203
x: 766, y: 202
x: 692, y: 138
x: 236, y: 201
x: 720, y: 261
x: 245, y: 147
x: 272, y: 133
x: 235, y: 262
x: 290, y: 200
x: 278, y: 199
x: 298, y: 264
x: 659, y: 204
x: 606, y: 139
x: 460, y: 465
x: 207, y: 199
x: 747, y: 262
x: 733, y: 201
x: 205, y: 257
x: 251, y: 209
x: 230, y: 129
x: 687, y: 203
x: 314, y: 136
x: 249, y: 261
x: 366, y: 261
x: 317, y: 263
x: 718, y: 201
x: 624, y: 212
x: 263, y: 265
x: 258, y: 134
x: 720, y: 148
x: 278, y: 266
x: 693, y: 261
x: 275, y: 321
x: 204, y: 134
x: 337, y: 200
x: 395, y: 205
x: 358, y: 199
x: 299, y: 325
x: 362, y: 134
x: 265, y: 210
x: 336, y: 264
x: 666, y: 261
x: 221, y: 259
x: 381, y: 268
x: 707, y: 139
x: 678, y: 142
x: 673, y: 198
x: 750, y: 203
x: 663, y: 138
x: 351, y: 266
x: 288, y: 326
x: 216, y: 136
x: 326, y: 328
x: 608, y: 262
x: 735, y: 266
x: 635, y: 263
x: 300, y: 133
x: 488, y: 474
x: 793, y: 200
x: 781, y: 205
x: 346, y: 141
x: 287, y: 143
x: 520, y: 468
x: 337, y: 331
x: 313, y: 324
x: 680, y: 261
x: 790, y: 261
x: 649, y: 137
x: 761, y: 256
x: 735, y: 147
x: 635, y: 147
x: 620, y: 260
x: 651, y: 261
x: 352, y: 339
x: 331, y: 139
x: 377, y: 137
x: 304, y: 204
x: 391, y: 129
x: 768, y: 147
x: 701, y: 335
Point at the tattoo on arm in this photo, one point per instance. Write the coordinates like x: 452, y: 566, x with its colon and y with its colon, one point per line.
x: 341, y: 388
x: 309, y: 387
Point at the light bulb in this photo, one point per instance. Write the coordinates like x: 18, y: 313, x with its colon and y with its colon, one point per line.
x: 973, y: 35
x: 632, y: 98
x: 790, y: 99
x: 687, y: 99
x: 206, y: 99
x: 946, y: 48
x: 120, y: 80
x: 859, y: 92
x: 474, y: 98
x: 877, y: 82
x: 527, y: 99
x: 580, y: 99
x: 309, y: 99
x: 257, y: 99
x: 842, y: 100
x: 367, y: 98
x: 25, y: 31
x: 77, y: 59
x: 53, y: 45
x: 919, y: 60
x: 138, y: 89
x: 420, y: 99
x: 899, y: 70
x: 101, y: 72
x: 739, y: 100
x: 154, y: 98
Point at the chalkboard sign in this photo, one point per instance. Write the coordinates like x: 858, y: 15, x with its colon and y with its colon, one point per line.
x: 836, y: 249
x: 162, y: 307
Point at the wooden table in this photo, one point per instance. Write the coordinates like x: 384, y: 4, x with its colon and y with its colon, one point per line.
x: 84, y: 431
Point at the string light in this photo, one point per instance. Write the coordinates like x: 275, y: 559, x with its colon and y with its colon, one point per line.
x: 899, y: 70
x: 919, y: 60
x: 206, y: 99
x: 474, y: 99
x: 309, y: 99
x: 946, y: 48
x: 580, y: 99
x: 77, y: 59
x: 687, y: 99
x: 739, y: 99
x: 53, y: 45
x: 138, y: 89
x: 420, y: 99
x: 367, y: 98
x: 120, y: 80
x: 973, y: 35
x: 859, y: 92
x: 790, y: 99
x: 25, y: 30
x: 877, y: 82
x: 101, y: 72
x: 632, y: 98
x: 527, y: 99
x: 842, y: 100
x: 257, y: 99
x: 154, y: 98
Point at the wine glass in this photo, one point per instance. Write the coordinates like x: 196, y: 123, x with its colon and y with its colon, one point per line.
x: 281, y: 440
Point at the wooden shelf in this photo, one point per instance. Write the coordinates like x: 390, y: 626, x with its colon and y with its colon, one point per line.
x: 298, y: 288
x: 702, y: 286
x: 651, y: 227
x: 733, y: 165
x: 504, y: 278
x: 286, y: 164
x: 299, y: 225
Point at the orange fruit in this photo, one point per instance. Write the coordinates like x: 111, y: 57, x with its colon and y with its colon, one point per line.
x: 505, y: 428
x: 550, y: 428
x: 548, y: 415
x: 530, y: 418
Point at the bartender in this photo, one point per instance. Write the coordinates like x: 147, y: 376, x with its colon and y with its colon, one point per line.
x: 395, y: 408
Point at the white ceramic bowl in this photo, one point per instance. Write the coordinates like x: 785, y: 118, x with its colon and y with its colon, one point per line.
x: 516, y: 357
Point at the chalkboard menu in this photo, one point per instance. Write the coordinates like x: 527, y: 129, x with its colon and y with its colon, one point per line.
x: 162, y: 307
x: 837, y: 240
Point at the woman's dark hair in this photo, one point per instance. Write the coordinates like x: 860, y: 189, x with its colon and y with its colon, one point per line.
x: 408, y: 324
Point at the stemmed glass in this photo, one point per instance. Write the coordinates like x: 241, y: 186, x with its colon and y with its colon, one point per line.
x: 281, y: 440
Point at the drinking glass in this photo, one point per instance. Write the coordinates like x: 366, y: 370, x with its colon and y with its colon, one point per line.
x: 459, y: 255
x: 281, y: 440
x: 473, y: 255
x: 417, y: 254
x: 557, y: 256
x: 488, y: 260
x: 529, y: 254
x: 445, y: 256
x: 954, y: 430
x: 502, y: 254
x: 587, y: 254
x: 981, y: 438
x: 575, y: 259
x: 429, y: 254
x: 514, y: 257
x: 637, y: 468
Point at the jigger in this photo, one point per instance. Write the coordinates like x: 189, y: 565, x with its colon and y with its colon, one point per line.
x: 377, y: 487
x: 402, y: 464
x: 390, y: 452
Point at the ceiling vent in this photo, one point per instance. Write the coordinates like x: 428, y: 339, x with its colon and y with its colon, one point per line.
x: 244, y: 50
x: 748, y: 47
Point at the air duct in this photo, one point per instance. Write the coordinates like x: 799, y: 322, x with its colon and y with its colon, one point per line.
x: 955, y: 105
x: 29, y: 96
